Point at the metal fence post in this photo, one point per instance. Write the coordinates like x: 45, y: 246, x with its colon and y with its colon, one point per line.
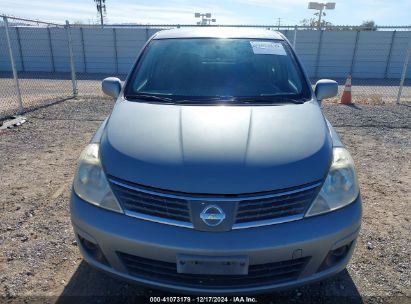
x: 317, y: 60
x: 115, y: 48
x: 20, y: 50
x: 387, y: 66
x: 83, y: 49
x: 53, y: 66
x: 13, y: 65
x: 295, y: 37
x: 404, y: 70
x: 72, y: 65
x: 354, y: 53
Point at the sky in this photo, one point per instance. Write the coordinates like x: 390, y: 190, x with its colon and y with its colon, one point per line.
x: 291, y: 12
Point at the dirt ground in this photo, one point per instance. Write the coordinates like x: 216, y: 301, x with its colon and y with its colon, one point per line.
x: 39, y: 259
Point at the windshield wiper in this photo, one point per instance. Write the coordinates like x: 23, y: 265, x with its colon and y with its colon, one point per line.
x: 261, y: 99
x: 148, y: 97
x: 215, y: 99
x: 268, y: 99
x: 265, y: 99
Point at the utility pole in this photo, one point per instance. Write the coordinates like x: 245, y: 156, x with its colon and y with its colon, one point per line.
x: 101, y: 9
x: 279, y: 23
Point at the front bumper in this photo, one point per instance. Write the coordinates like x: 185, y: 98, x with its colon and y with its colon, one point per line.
x: 310, y: 237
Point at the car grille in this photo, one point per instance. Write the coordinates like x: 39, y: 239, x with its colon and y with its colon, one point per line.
x: 274, y: 207
x: 155, y: 205
x: 262, y: 274
x: 253, y: 209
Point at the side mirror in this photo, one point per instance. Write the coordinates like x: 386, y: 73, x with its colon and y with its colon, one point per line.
x: 325, y: 88
x: 111, y: 86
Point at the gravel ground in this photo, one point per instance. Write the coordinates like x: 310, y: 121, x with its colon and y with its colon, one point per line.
x: 39, y: 259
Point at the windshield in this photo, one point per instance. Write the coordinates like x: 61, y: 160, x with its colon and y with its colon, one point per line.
x: 182, y: 70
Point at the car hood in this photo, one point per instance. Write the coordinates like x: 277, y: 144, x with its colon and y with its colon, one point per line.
x: 216, y: 149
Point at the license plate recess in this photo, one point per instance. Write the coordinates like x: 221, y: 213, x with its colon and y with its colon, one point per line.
x: 212, y: 265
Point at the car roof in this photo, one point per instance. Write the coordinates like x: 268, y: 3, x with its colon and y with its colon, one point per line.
x: 218, y: 32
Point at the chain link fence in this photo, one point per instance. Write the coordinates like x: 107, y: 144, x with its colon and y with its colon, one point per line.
x: 103, y: 52
x: 377, y: 61
x: 35, y: 65
x: 42, y: 63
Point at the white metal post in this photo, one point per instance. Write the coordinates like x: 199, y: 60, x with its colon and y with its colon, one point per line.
x: 13, y: 65
x: 295, y: 37
x: 72, y: 65
x: 404, y: 70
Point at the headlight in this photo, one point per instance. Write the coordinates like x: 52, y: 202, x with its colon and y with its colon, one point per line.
x: 90, y: 182
x: 340, y: 187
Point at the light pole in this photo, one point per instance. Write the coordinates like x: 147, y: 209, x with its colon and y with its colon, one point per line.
x: 320, y: 7
x: 205, y: 18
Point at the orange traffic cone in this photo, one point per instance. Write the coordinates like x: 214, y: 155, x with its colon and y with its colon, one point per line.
x: 346, y: 96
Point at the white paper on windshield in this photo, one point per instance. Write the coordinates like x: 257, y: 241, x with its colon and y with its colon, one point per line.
x: 268, y: 48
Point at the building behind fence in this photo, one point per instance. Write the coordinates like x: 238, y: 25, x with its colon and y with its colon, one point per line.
x: 41, y: 63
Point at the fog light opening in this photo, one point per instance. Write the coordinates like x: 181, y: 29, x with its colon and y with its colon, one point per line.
x: 335, y: 256
x: 93, y: 250
x: 89, y: 245
x: 339, y: 251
